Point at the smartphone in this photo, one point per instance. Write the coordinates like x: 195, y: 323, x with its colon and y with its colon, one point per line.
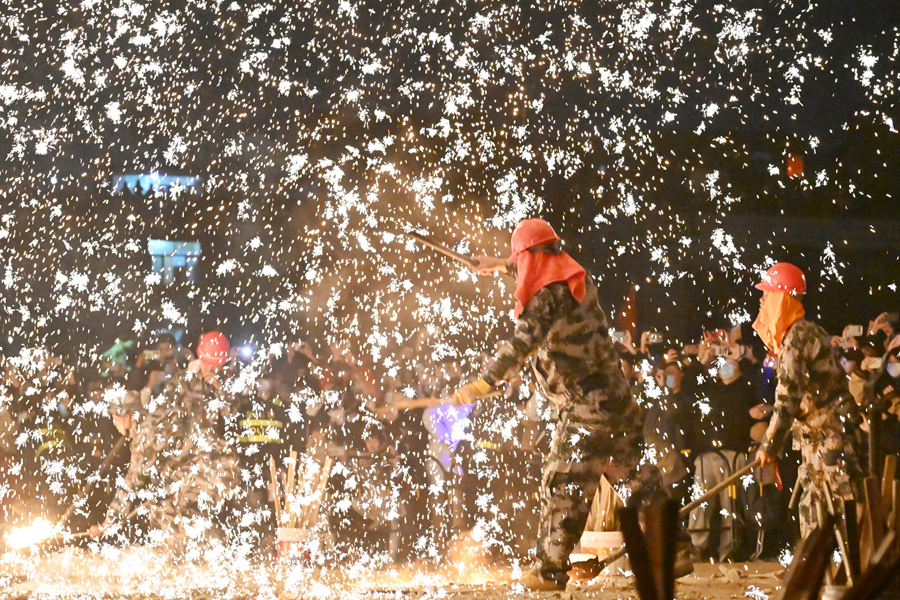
x: 151, y: 354
x: 654, y: 337
x: 854, y: 330
x: 719, y: 350
x: 617, y: 336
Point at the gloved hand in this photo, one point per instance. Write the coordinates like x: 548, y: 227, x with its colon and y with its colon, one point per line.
x: 471, y: 392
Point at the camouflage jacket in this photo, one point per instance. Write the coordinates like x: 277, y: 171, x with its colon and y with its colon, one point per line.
x: 571, y: 352
x: 178, y: 447
x: 809, y: 380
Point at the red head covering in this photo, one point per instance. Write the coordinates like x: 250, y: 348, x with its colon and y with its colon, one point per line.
x: 536, y: 270
x: 213, y: 348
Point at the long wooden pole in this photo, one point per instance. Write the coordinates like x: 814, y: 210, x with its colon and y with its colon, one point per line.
x: 273, y: 472
x: 466, y: 260
x: 408, y: 403
x: 727, y: 482
x: 687, y: 508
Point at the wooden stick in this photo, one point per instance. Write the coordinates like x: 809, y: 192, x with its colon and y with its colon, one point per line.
x: 875, y: 517
x: 895, y: 522
x: 408, y: 403
x: 820, y: 518
x: 644, y: 580
x: 687, y: 508
x: 274, y: 473
x: 851, y: 525
x: 795, y: 495
x: 661, y: 531
x: 865, y: 538
x: 292, y: 470
x: 594, y: 513
x: 839, y: 535
x: 312, y: 511
x: 466, y: 260
x: 884, y: 566
x: 804, y: 577
x: 289, y: 486
x: 875, y: 439
x: 300, y: 487
x: 887, y: 484
x: 81, y: 534
x: 728, y: 481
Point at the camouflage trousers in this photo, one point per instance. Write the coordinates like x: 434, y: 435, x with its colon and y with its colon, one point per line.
x: 184, y: 508
x: 579, y: 455
x: 828, y: 462
x: 180, y: 528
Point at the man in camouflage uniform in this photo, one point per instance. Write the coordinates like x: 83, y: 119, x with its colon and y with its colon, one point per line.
x: 562, y: 329
x: 182, y: 469
x: 812, y: 396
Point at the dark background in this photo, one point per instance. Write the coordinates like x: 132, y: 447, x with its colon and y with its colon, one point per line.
x: 232, y: 92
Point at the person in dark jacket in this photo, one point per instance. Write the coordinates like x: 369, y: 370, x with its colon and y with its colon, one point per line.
x: 718, y: 435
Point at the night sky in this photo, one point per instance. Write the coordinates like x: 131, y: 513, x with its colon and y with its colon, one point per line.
x: 653, y: 135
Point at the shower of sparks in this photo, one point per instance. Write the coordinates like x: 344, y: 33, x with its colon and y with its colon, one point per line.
x: 301, y: 140
x: 30, y: 535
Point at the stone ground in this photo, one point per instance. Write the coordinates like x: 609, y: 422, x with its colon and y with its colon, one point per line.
x: 78, y: 573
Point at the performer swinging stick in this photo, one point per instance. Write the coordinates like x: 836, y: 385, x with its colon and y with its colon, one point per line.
x: 562, y: 329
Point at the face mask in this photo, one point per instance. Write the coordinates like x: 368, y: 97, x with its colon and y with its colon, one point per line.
x: 727, y: 370
x: 670, y: 381
x: 893, y: 369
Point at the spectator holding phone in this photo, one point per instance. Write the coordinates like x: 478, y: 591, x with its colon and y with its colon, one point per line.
x: 719, y: 430
x: 664, y: 425
x: 881, y: 333
x: 882, y: 398
x: 851, y: 362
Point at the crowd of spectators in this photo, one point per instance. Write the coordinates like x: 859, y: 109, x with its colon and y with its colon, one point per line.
x: 406, y: 479
x: 706, y: 409
x: 397, y: 485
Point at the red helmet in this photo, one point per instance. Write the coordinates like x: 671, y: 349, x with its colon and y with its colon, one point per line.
x: 213, y: 348
x: 528, y: 233
x: 783, y: 277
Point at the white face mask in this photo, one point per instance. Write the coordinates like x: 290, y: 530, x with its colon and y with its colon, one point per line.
x: 727, y: 370
x: 893, y: 369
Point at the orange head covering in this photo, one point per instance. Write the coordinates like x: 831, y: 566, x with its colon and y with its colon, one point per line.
x: 536, y: 270
x: 776, y: 315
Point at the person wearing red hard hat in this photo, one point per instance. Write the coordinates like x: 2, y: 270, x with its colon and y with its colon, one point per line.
x: 213, y: 351
x: 179, y: 456
x: 812, y: 396
x: 561, y: 329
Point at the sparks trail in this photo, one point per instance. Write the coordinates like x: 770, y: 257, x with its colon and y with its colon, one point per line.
x: 680, y: 148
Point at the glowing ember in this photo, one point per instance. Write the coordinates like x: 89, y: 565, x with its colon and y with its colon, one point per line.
x: 30, y: 535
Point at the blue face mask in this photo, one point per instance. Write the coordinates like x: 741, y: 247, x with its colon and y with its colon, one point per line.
x: 670, y: 382
x: 727, y: 370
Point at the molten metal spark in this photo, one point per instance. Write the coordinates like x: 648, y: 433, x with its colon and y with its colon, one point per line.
x: 30, y: 535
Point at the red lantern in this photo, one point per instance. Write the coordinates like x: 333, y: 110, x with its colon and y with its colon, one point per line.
x: 795, y: 165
